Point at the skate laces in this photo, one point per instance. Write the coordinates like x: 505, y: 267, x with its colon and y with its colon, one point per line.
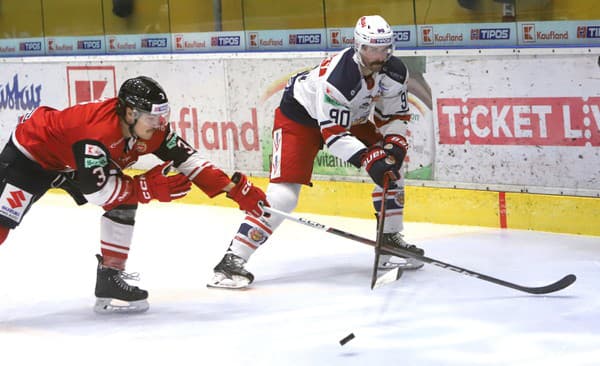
x: 397, y: 239
x: 121, y: 276
x: 134, y: 276
x: 233, y: 260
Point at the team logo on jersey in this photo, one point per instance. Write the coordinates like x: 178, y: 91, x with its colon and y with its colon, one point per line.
x: 331, y: 100
x: 13, y: 202
x: 95, y: 162
x: 141, y: 147
x: 93, y: 150
x: 171, y: 140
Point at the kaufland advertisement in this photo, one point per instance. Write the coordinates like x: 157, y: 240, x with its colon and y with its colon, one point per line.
x: 508, y: 120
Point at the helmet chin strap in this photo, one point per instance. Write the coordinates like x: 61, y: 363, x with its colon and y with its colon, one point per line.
x: 132, y: 125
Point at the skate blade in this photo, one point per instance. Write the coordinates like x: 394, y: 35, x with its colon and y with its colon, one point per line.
x: 112, y: 306
x: 232, y: 283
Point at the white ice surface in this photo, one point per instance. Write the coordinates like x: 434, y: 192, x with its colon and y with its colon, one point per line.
x: 311, y: 290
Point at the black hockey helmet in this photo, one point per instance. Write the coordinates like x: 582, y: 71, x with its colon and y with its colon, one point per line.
x: 143, y: 94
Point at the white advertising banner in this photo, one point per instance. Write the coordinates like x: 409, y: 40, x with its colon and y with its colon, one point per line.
x: 527, y: 121
x: 581, y: 32
x: 208, y: 42
x: 523, y: 121
x: 467, y: 35
x: 404, y: 37
x: 196, y: 89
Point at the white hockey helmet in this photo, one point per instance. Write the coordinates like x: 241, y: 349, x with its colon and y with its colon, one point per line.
x: 372, y: 30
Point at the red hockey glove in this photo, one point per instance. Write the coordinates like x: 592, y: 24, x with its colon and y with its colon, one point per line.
x: 378, y: 164
x: 155, y: 184
x: 249, y: 197
x: 396, y: 146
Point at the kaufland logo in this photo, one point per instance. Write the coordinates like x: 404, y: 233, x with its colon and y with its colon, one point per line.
x: 334, y: 35
x: 427, y: 35
x: 402, y: 36
x: 588, y: 31
x: 253, y: 39
x: 300, y: 39
x: 528, y: 32
x: 90, y: 83
x: 338, y: 40
x: 154, y: 42
x: 54, y: 46
x: 92, y: 44
x: 225, y: 41
x: 30, y: 46
x: 113, y: 44
x: 490, y: 34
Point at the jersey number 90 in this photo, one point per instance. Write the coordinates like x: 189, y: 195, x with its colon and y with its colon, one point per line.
x: 340, y: 117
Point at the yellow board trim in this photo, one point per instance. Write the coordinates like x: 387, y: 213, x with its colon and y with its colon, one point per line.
x: 552, y: 213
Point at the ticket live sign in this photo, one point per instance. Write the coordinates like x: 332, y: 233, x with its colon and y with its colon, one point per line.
x: 540, y: 121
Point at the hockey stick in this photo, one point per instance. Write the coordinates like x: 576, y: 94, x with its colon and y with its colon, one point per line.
x: 395, y: 272
x: 553, y: 287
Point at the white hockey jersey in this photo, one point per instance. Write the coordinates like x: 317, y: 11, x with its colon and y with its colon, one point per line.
x: 334, y: 96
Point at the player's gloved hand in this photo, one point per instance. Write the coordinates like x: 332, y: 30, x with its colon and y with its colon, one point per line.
x: 248, y: 196
x: 396, y: 146
x: 378, y: 164
x: 155, y: 184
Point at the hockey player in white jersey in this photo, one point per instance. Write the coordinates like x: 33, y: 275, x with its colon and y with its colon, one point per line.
x: 355, y: 103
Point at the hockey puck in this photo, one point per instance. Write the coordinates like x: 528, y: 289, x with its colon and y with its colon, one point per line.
x: 347, y: 339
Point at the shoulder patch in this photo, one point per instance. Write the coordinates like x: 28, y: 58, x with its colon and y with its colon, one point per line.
x: 345, y: 77
x: 395, y: 69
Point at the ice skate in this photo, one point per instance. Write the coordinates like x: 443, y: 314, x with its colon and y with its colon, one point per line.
x: 230, y: 273
x: 114, y: 295
x: 390, y: 262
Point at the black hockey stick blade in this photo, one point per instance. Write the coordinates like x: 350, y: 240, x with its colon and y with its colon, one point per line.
x: 397, y: 251
x: 553, y: 287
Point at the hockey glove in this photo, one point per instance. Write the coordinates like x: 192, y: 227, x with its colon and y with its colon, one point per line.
x: 155, y: 184
x: 396, y: 146
x: 249, y: 197
x: 378, y: 164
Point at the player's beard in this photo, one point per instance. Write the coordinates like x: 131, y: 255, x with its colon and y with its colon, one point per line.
x: 375, y: 66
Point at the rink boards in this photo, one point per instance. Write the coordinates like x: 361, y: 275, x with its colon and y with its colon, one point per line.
x: 552, y: 213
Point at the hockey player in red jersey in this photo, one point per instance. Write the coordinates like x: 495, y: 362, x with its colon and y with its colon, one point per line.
x: 354, y: 102
x: 84, y: 149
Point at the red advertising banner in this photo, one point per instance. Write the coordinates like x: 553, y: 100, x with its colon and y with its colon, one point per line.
x: 548, y: 121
